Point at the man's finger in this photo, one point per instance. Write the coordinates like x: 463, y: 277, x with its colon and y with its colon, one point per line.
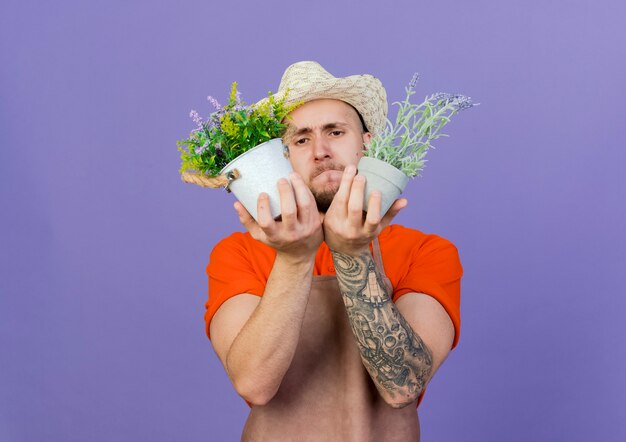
x: 305, y: 201
x: 264, y: 214
x: 288, y: 209
x: 343, y: 193
x: 395, y: 208
x: 373, y: 218
x: 246, y: 219
x: 355, y: 202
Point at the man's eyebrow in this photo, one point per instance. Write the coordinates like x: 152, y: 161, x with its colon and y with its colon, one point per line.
x: 293, y: 131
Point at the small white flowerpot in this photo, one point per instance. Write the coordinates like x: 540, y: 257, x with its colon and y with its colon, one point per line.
x: 259, y: 169
x: 384, y: 177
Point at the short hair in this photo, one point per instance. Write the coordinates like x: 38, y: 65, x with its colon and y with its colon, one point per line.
x: 363, y: 126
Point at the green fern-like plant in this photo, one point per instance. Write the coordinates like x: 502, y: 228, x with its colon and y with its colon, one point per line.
x: 404, y: 144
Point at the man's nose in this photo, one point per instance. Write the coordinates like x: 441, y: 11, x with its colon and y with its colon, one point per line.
x: 321, y: 148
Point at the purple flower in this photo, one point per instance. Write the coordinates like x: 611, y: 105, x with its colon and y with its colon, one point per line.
x: 215, y: 103
x: 439, y: 96
x: 196, y: 118
x: 414, y: 79
x: 462, y: 102
x: 457, y: 101
x: 199, y: 149
x: 239, y: 107
x: 214, y: 120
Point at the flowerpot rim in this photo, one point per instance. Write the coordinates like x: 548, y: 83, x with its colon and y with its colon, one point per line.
x: 390, y: 172
x: 377, y: 160
x: 229, y: 165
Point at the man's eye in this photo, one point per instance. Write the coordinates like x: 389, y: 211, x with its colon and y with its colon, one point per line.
x: 301, y: 140
x: 337, y: 132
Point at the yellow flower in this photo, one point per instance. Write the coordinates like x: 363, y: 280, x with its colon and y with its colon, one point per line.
x: 229, y: 128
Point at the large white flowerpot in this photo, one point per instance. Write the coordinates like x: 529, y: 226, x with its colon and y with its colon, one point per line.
x: 259, y: 169
x: 384, y: 177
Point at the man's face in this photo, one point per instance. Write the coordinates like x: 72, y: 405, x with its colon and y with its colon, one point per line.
x: 324, y: 136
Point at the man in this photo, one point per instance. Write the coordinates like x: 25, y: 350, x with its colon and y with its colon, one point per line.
x: 329, y: 323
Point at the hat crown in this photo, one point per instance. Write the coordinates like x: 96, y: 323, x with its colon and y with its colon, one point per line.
x: 308, y: 80
x: 311, y: 70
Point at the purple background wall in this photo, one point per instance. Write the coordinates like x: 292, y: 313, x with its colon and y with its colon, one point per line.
x: 103, y: 249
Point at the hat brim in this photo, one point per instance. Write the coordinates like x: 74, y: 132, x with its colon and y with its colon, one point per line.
x: 364, y: 92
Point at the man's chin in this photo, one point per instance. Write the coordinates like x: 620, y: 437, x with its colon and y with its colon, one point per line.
x: 324, y: 199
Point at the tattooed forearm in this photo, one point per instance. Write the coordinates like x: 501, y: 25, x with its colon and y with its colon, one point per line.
x: 394, y: 355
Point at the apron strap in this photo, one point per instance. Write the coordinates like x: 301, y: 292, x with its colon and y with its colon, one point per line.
x: 378, y: 260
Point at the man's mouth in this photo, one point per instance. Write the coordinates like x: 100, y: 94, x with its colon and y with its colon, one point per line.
x: 327, y: 169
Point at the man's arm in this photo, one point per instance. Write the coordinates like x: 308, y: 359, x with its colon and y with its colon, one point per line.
x: 396, y: 357
x: 398, y: 360
x: 256, y: 339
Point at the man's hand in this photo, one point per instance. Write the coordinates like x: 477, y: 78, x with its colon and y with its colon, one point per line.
x: 299, y: 233
x: 345, y: 230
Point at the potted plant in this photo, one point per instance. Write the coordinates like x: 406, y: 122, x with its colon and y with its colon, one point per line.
x: 396, y: 154
x: 239, y: 148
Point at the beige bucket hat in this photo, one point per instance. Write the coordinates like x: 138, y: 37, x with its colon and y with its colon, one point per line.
x: 308, y: 80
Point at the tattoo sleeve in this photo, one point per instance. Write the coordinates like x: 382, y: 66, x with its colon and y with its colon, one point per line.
x: 396, y: 358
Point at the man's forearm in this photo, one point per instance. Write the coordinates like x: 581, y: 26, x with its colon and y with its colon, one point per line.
x: 396, y: 358
x: 264, y: 348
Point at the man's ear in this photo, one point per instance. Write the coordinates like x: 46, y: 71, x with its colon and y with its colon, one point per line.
x: 366, y: 139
